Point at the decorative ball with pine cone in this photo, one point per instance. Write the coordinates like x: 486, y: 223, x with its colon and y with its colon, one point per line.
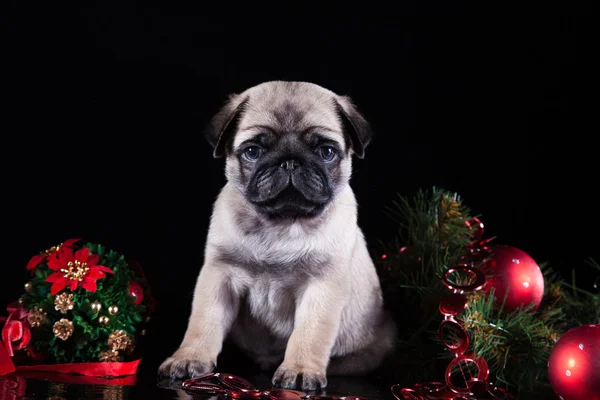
x: 80, y: 306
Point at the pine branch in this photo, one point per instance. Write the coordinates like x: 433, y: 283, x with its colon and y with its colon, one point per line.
x: 432, y: 229
x: 515, y: 344
x: 433, y: 235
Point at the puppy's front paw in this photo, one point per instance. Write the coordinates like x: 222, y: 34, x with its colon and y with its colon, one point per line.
x: 297, y: 377
x: 183, y: 365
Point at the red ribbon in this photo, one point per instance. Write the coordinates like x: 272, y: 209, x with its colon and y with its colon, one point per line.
x: 16, y: 328
x: 94, y: 369
x: 129, y: 380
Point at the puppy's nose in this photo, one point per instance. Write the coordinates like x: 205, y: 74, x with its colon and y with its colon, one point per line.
x: 289, y: 165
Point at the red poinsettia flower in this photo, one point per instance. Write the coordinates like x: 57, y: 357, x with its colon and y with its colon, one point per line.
x: 43, y: 256
x: 76, y: 268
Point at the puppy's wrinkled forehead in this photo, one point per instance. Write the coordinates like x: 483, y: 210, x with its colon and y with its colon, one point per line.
x: 289, y: 108
x: 280, y: 108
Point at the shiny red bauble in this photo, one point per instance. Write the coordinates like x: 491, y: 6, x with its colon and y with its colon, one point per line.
x: 514, y: 274
x: 136, y: 291
x: 574, y: 364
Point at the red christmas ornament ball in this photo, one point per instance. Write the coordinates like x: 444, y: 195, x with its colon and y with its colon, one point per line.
x: 574, y: 364
x: 136, y: 291
x: 513, y: 271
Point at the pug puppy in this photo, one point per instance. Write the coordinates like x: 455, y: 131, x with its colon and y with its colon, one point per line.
x: 287, y: 275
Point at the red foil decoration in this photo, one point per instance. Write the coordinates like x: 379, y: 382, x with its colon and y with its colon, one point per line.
x: 470, y: 385
x: 231, y: 386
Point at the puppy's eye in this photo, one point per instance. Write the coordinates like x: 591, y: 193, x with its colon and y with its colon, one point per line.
x: 252, y: 153
x: 327, y: 153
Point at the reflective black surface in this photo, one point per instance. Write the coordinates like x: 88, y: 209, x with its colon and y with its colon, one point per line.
x: 148, y: 386
x: 14, y: 387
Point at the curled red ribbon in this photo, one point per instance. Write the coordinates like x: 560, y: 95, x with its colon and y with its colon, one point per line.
x: 16, y: 332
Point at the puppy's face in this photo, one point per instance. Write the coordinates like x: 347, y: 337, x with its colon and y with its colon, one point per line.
x: 288, y: 146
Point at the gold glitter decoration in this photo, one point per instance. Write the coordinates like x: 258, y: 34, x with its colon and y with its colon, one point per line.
x: 63, y: 329
x: 28, y: 287
x: 113, y: 310
x: 20, y: 300
x: 36, y: 317
x: 77, y: 270
x: 119, y: 340
x: 104, y: 319
x: 143, y: 332
x: 148, y: 318
x: 64, y: 302
x: 96, y: 306
x: 109, y: 356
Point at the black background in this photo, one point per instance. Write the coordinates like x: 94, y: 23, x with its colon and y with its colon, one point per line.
x: 104, y: 107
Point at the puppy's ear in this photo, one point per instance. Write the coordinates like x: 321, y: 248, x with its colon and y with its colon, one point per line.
x: 223, y: 125
x: 354, y: 124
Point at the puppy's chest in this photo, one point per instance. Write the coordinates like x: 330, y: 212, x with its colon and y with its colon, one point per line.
x: 272, y: 302
x: 277, y: 257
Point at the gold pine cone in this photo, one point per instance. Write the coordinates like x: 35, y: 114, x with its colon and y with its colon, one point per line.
x: 36, y: 317
x: 64, y: 302
x: 119, y: 340
x: 109, y: 356
x: 63, y: 329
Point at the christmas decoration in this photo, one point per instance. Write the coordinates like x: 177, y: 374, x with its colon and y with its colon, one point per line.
x: 516, y: 277
x: 119, y: 340
x: 75, y: 269
x: 574, y: 364
x: 231, y: 386
x: 109, y: 356
x: 136, y: 291
x: 96, y: 306
x: 16, y: 334
x: 460, y: 279
x: 36, y: 317
x: 58, y: 318
x: 43, y: 256
x: 63, y: 329
x: 439, y: 238
x: 64, y: 302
